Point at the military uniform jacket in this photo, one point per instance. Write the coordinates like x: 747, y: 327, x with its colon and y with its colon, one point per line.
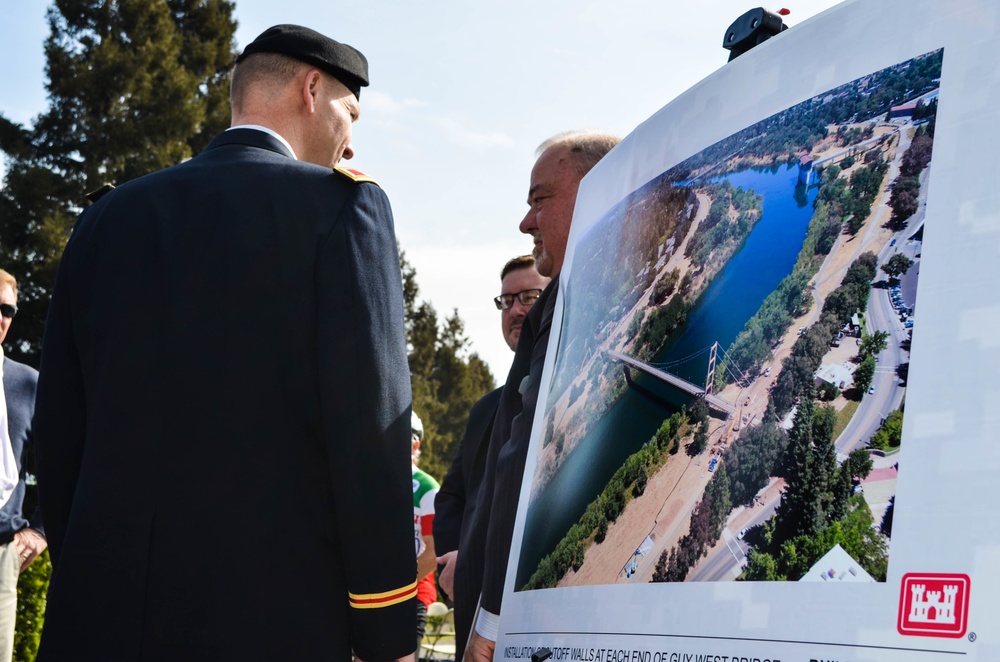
x: 223, y: 419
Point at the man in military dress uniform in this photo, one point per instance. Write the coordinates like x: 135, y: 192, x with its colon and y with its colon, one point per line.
x: 223, y: 380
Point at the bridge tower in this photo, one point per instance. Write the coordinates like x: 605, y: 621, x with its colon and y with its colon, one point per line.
x: 710, y: 378
x: 806, y: 170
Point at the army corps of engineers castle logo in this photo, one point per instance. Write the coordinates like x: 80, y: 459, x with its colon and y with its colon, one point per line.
x: 934, y: 605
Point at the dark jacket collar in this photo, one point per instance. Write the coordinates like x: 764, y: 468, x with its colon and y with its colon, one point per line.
x: 543, y: 316
x: 250, y: 138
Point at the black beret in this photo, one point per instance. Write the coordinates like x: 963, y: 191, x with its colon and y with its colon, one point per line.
x: 343, y: 62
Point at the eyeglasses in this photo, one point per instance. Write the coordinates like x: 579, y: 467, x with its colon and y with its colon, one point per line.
x: 8, y: 311
x: 526, y: 297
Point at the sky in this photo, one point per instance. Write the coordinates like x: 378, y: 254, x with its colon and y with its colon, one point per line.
x: 461, y: 95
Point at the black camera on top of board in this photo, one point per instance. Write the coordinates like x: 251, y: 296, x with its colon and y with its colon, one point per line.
x: 751, y: 29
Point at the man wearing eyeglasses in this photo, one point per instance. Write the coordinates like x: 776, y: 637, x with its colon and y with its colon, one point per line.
x: 520, y: 287
x: 21, y: 541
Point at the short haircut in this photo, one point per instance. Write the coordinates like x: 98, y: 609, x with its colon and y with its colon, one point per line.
x: 586, y: 148
x: 516, y: 264
x: 261, y: 69
x: 7, y: 279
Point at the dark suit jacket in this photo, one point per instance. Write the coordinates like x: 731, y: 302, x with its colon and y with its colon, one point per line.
x: 485, y: 542
x: 19, y: 383
x: 223, y: 413
x: 457, y: 496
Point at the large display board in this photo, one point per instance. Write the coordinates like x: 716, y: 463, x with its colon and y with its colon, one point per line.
x: 768, y: 420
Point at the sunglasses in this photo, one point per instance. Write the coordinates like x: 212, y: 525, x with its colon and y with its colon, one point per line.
x: 7, y: 310
x: 526, y: 297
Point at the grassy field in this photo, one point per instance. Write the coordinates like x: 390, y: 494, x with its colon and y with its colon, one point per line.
x: 844, y: 417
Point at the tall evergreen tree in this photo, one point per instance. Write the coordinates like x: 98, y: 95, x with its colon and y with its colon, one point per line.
x: 797, y: 512
x: 446, y: 380
x: 824, y: 479
x: 133, y: 86
x: 842, y: 490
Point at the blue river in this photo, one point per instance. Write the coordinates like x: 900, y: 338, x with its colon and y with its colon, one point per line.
x: 767, y: 256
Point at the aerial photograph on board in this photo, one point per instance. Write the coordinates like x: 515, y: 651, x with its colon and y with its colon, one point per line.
x: 729, y: 388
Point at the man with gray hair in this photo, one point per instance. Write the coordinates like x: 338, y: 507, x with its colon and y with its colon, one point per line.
x: 484, y: 548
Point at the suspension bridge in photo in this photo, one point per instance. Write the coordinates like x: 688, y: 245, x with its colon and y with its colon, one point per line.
x: 659, y: 371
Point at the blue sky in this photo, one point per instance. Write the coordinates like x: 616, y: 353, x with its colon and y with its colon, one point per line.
x: 462, y: 93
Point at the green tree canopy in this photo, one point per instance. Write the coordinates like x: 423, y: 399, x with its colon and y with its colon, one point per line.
x: 858, y: 464
x: 761, y: 567
x: 873, y: 344
x: 133, y: 86
x: 903, y: 201
x: 890, y: 434
x: 897, y: 265
x: 864, y: 374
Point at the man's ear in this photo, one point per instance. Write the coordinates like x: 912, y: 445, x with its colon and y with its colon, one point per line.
x: 310, y: 89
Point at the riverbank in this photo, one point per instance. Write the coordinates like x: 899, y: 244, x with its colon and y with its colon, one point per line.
x: 657, y: 519
x: 569, y: 414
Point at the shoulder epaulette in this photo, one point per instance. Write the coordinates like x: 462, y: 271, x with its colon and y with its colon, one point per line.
x: 356, y: 175
x: 94, y: 196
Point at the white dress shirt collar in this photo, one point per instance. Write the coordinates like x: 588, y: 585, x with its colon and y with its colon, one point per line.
x: 258, y: 127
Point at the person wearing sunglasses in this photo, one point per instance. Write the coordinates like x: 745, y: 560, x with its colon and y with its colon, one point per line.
x: 21, y: 540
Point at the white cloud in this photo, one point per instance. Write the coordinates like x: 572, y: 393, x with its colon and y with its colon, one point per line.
x: 381, y: 103
x: 460, y: 134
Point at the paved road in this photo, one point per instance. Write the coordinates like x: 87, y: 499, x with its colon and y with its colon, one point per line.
x: 881, y: 316
x: 726, y: 562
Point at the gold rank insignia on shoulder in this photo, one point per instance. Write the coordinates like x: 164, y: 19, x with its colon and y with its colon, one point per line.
x: 356, y: 175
